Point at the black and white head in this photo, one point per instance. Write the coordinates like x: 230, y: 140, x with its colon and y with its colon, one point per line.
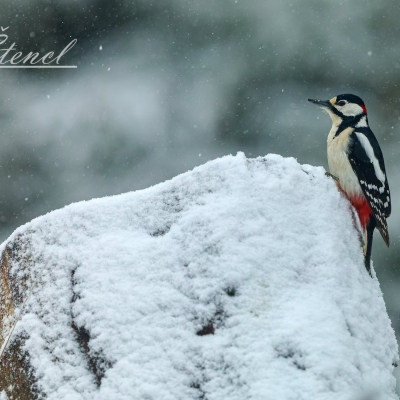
x: 347, y: 108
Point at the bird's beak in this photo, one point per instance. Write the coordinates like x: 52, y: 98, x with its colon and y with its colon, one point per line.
x: 321, y: 103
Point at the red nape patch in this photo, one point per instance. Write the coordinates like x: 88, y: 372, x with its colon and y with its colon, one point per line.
x: 364, y: 108
x: 363, y: 209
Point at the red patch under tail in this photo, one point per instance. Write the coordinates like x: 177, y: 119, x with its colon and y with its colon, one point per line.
x: 363, y: 209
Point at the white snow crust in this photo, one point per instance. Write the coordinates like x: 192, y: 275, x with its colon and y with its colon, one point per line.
x: 264, y: 250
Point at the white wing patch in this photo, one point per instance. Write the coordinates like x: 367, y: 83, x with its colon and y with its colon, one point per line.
x: 371, y: 155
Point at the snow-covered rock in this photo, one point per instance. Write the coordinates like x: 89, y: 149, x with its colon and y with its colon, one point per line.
x: 241, y: 279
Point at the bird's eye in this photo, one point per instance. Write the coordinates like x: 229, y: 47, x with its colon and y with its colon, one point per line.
x: 341, y: 103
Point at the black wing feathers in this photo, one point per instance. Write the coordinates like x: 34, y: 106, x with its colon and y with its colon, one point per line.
x: 372, y: 177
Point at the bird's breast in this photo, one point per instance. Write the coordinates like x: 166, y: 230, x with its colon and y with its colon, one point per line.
x: 339, y: 164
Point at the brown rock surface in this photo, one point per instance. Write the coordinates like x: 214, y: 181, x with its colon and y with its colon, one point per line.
x: 15, y: 372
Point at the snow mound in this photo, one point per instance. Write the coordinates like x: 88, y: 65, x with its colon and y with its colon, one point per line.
x: 241, y: 279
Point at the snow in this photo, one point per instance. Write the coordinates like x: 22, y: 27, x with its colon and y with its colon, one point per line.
x: 263, y: 252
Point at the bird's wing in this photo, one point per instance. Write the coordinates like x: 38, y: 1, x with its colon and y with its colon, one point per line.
x: 366, y: 159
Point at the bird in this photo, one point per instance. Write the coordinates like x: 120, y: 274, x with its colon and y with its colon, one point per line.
x: 356, y: 163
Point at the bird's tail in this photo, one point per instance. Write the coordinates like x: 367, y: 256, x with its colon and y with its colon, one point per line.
x: 383, y: 229
x: 368, y: 236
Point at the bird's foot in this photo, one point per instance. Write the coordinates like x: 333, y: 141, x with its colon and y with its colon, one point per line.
x: 332, y: 176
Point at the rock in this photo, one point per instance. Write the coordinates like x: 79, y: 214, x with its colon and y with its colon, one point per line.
x: 243, y: 278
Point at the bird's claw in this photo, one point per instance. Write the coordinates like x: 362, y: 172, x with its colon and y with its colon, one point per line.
x: 332, y: 176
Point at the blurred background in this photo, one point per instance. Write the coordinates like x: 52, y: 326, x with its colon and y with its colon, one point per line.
x: 164, y: 86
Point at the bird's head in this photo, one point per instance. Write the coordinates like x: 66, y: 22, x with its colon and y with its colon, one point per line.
x: 345, y: 107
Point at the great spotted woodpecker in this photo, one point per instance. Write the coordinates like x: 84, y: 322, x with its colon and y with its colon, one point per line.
x: 356, y: 162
